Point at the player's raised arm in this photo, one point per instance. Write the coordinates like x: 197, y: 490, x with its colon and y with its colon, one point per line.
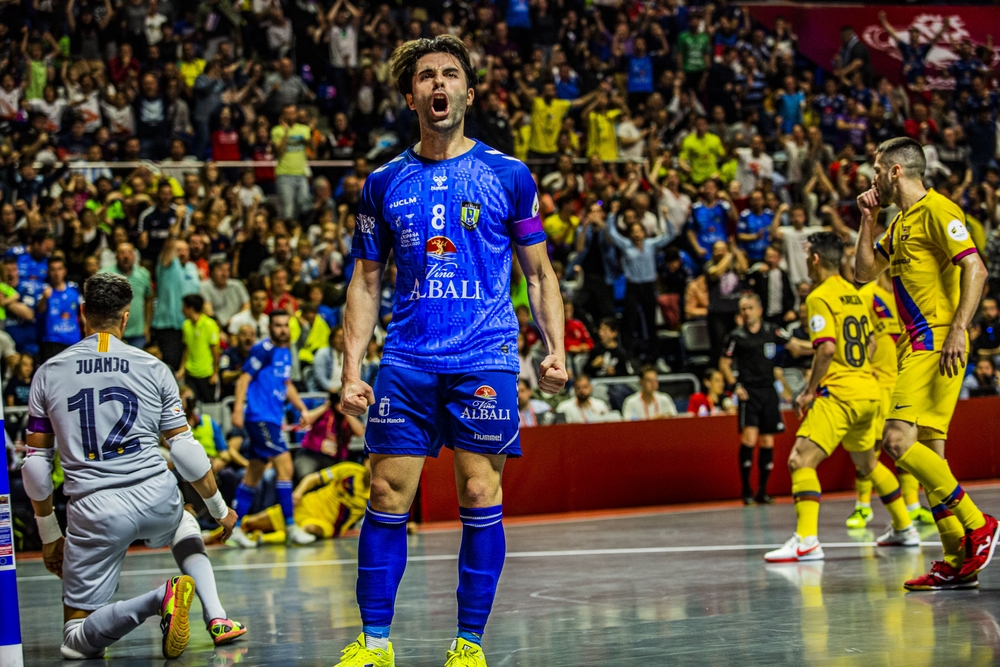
x: 869, y: 260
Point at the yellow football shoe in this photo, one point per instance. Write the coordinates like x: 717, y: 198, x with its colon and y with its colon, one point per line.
x: 357, y: 654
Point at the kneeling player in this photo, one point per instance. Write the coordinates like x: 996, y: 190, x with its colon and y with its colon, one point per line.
x: 328, y: 511
x: 107, y: 403
x: 845, y: 405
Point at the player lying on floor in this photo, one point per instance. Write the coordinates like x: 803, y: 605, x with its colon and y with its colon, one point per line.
x: 325, y: 512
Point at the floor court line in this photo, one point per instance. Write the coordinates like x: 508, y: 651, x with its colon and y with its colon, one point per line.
x: 565, y: 553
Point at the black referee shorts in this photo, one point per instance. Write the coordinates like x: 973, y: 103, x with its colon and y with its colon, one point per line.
x: 762, y: 411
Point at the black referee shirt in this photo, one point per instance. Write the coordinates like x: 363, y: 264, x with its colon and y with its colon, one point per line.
x: 755, y: 353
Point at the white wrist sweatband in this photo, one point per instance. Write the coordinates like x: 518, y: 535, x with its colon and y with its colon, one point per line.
x: 48, y: 528
x: 217, y: 506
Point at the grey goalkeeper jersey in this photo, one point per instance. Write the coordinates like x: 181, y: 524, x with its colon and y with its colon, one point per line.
x: 106, y: 403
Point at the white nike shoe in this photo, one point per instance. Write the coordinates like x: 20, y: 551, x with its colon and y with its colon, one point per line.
x: 68, y: 653
x: 298, y: 536
x: 241, y: 540
x: 796, y: 550
x: 908, y: 537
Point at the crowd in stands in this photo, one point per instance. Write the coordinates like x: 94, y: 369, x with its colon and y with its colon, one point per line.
x: 683, y: 155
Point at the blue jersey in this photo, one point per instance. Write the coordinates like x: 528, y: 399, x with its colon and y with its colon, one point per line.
x: 449, y: 225
x: 964, y: 70
x: 33, y: 272
x: 62, y: 322
x: 830, y: 107
x: 709, y: 223
x: 754, y: 223
x: 640, y: 74
x: 914, y: 59
x: 271, y: 368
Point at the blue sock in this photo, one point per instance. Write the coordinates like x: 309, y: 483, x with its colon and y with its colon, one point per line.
x: 381, y: 561
x: 284, y: 489
x: 480, y: 561
x: 244, y: 499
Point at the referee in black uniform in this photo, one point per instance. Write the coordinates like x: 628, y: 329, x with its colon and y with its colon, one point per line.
x: 754, y: 348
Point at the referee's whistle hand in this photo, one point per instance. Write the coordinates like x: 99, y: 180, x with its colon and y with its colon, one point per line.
x: 355, y: 397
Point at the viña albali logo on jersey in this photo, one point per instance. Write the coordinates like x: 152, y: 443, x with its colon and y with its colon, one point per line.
x: 484, y: 406
x: 442, y: 279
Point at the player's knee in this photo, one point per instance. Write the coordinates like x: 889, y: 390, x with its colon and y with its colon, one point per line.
x: 480, y: 492
x: 894, y: 442
x: 385, y: 497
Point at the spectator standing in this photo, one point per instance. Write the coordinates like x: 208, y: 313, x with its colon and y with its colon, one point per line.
x: 175, y: 279
x: 638, y: 256
x: 700, y: 153
x: 17, y: 391
x: 254, y: 317
x: 773, y: 287
x: 853, y: 57
x: 231, y: 361
x: 224, y: 296
x: 200, y: 359
x: 794, y: 238
x: 278, y: 297
x: 290, y: 138
x: 329, y: 364
x: 137, y: 331
x: 710, y: 218
x: 754, y: 228
x: 913, y: 51
x: 755, y: 168
x: 547, y: 114
x: 58, y: 310
x: 724, y: 274
x: 577, y: 338
x: 649, y: 402
x: 583, y: 408
x: 693, y: 51
x: 156, y: 222
x: 982, y: 382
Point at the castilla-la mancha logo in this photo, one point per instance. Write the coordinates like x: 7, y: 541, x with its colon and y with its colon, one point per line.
x: 484, y: 406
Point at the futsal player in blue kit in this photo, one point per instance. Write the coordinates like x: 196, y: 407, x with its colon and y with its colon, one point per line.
x: 449, y: 209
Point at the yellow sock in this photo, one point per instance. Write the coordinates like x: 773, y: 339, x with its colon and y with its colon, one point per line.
x: 863, y: 485
x: 951, y: 531
x: 910, y: 488
x: 806, y: 491
x: 933, y: 472
x: 888, y: 491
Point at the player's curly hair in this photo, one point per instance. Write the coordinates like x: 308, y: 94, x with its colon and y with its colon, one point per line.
x: 403, y: 61
x: 105, y: 298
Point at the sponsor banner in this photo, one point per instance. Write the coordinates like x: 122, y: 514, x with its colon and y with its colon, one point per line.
x: 818, y: 30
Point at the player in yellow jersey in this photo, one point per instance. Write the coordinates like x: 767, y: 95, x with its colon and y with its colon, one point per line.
x: 879, y: 297
x: 843, y: 404
x: 938, y: 277
x: 327, y: 511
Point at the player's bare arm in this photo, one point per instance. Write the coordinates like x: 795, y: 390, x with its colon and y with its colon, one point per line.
x: 37, y: 475
x: 360, y: 315
x: 868, y: 263
x: 240, y: 399
x: 547, y: 309
x: 820, y: 365
x: 973, y: 280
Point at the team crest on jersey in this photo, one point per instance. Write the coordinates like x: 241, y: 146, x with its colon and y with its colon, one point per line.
x: 470, y: 214
x: 904, y: 234
x: 770, y: 349
x: 441, y: 248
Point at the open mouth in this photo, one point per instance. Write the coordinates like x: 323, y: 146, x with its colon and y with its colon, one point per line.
x: 440, y: 105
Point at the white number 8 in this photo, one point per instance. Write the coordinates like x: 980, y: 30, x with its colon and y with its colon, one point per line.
x: 437, y: 222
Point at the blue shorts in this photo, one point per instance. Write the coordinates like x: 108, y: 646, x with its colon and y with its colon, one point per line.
x: 416, y: 413
x: 265, y: 440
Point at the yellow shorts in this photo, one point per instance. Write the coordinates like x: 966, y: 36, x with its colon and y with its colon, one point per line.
x: 310, y: 513
x: 831, y: 422
x: 923, y: 396
x: 885, y: 392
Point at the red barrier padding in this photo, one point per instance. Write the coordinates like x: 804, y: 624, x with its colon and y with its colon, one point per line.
x: 576, y: 467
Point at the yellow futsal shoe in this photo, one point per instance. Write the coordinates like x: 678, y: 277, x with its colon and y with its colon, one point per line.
x: 860, y: 517
x: 357, y: 654
x: 465, y: 654
x: 922, y: 515
x: 174, y: 610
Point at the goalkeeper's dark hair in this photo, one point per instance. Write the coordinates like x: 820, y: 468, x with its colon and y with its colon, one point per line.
x: 829, y: 247
x: 403, y: 61
x: 105, y: 298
